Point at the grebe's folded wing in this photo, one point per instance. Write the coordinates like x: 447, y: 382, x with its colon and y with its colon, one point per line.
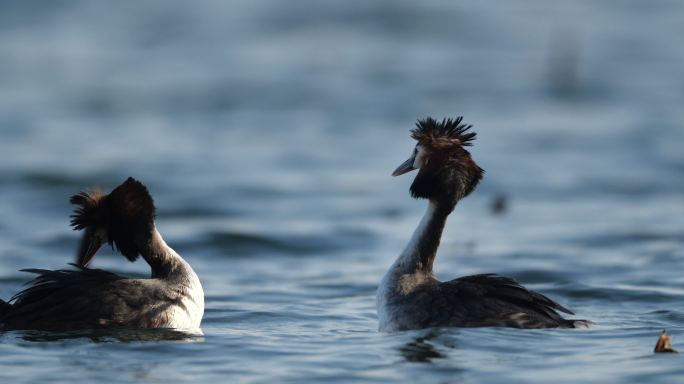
x: 80, y: 298
x: 506, y: 288
x: 492, y: 300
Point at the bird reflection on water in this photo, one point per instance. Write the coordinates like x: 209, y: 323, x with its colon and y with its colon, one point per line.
x: 421, y: 348
x: 130, y: 335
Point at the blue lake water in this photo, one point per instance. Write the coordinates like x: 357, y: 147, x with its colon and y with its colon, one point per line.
x: 267, y: 132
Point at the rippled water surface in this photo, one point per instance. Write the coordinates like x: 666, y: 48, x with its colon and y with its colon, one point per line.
x: 266, y: 132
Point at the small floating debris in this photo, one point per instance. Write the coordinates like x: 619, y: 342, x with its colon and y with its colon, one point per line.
x: 498, y: 205
x: 663, y: 344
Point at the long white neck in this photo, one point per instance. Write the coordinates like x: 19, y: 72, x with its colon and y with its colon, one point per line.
x: 413, y: 267
x: 163, y: 260
x: 168, y: 266
x: 420, y: 252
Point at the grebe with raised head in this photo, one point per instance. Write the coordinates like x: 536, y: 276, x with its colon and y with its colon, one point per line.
x: 410, y: 296
x: 93, y: 298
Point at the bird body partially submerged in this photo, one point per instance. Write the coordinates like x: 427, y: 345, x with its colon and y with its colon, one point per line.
x: 410, y: 296
x: 85, y: 298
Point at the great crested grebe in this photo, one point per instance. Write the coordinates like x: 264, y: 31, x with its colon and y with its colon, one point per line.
x: 410, y: 296
x: 663, y: 344
x: 93, y: 298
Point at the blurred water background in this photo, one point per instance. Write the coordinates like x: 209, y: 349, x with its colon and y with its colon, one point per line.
x: 266, y: 131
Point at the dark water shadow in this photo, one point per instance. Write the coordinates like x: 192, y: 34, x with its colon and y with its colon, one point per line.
x: 244, y: 244
x: 612, y: 240
x: 421, y: 348
x: 58, y: 179
x: 125, y: 335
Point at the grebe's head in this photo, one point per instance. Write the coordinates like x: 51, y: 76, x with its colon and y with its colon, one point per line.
x: 124, y: 219
x: 446, y: 171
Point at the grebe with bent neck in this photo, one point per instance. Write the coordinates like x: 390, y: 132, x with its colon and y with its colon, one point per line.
x: 409, y: 295
x: 86, y: 298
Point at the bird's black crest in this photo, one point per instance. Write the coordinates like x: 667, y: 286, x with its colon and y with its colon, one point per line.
x: 449, y: 172
x: 88, y: 212
x: 126, y: 214
x: 132, y: 201
x: 132, y: 215
x: 448, y: 132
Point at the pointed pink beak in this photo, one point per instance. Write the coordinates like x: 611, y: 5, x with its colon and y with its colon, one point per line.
x: 405, y: 167
x: 90, y: 244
